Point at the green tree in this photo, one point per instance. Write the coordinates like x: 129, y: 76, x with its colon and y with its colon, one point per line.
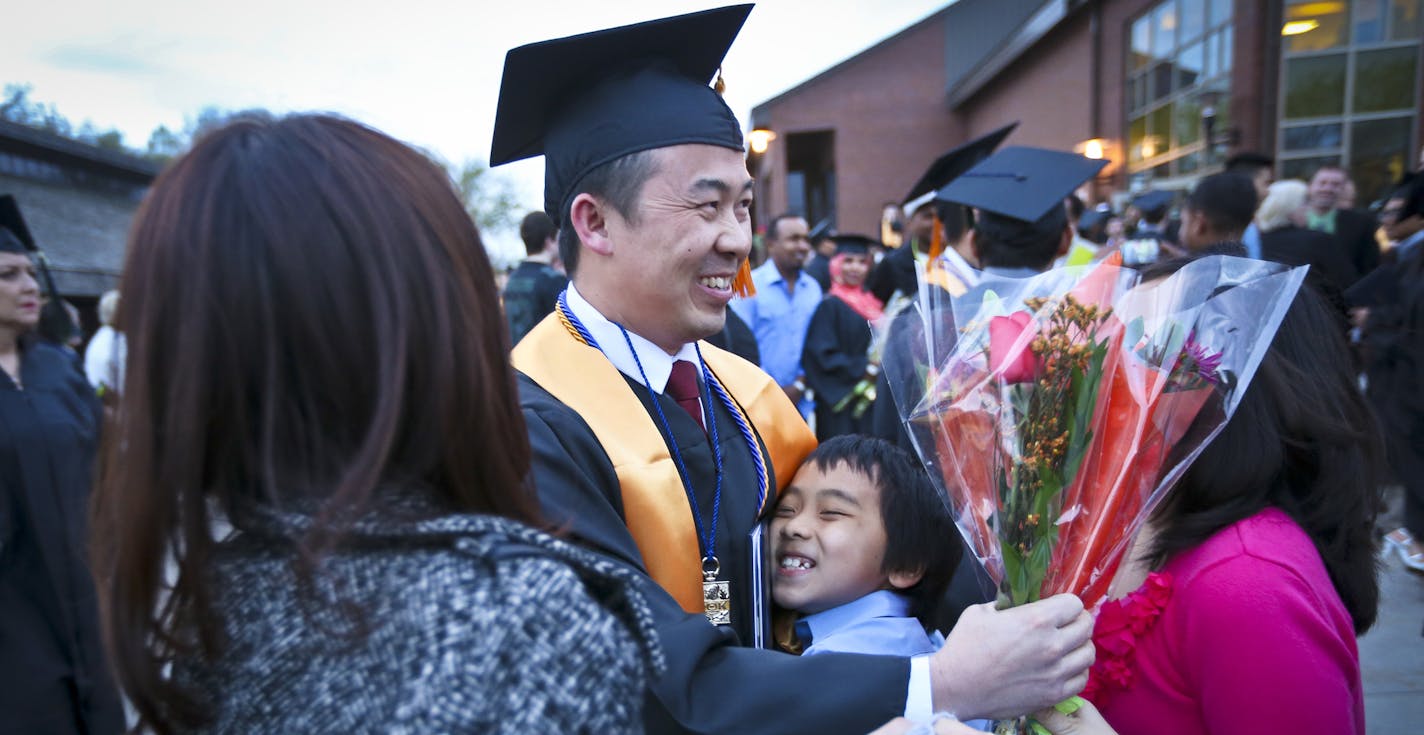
x: 488, y: 197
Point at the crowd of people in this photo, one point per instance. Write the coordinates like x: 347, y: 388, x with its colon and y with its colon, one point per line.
x: 346, y: 483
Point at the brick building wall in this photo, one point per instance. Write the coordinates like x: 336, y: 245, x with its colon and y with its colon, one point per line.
x: 887, y: 109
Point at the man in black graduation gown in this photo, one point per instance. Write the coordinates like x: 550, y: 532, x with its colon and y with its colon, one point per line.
x: 630, y: 416
x: 1021, y: 227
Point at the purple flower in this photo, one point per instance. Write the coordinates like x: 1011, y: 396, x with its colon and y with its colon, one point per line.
x: 1202, y: 359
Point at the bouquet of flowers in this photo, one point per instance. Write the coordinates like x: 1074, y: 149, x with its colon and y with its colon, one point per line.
x: 1055, y: 412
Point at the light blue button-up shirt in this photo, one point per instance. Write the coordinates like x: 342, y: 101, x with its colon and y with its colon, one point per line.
x: 878, y: 624
x: 779, y: 320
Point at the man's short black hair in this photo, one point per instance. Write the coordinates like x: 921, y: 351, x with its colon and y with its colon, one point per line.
x: 772, y: 227
x: 535, y: 230
x: 1411, y: 190
x: 1004, y: 242
x: 1226, y: 200
x: 1249, y: 162
x: 919, y: 532
x: 956, y: 219
x: 618, y: 182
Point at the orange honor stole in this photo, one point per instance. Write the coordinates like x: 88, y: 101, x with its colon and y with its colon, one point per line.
x: 654, y: 504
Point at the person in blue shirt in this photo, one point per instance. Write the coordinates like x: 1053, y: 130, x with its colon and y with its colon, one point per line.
x: 780, y: 312
x: 858, y: 586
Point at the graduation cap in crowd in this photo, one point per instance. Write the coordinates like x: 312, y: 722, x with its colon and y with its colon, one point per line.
x: 952, y: 164
x: 1153, y: 204
x: 585, y: 100
x: 1093, y: 218
x: 821, y: 231
x: 1021, y: 183
x: 854, y: 244
x: 15, y: 237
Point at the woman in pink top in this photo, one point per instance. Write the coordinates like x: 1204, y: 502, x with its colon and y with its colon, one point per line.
x: 1238, y: 609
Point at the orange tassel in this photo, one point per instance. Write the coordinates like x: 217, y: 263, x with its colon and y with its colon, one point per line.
x: 936, y: 245
x: 742, y: 285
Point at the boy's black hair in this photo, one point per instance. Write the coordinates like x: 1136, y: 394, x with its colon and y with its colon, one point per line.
x: 1226, y: 200
x: 919, y: 531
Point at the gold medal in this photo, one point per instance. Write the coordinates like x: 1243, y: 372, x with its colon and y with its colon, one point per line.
x: 716, y: 595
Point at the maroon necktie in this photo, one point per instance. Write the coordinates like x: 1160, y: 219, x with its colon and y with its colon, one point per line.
x: 682, y: 386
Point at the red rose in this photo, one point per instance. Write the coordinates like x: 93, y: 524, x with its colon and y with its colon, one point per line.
x: 1009, y: 353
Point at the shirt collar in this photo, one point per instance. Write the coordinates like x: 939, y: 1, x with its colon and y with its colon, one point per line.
x: 768, y: 273
x: 1410, y: 243
x: 1010, y: 272
x: 957, y: 265
x: 656, y: 363
x: 880, y: 604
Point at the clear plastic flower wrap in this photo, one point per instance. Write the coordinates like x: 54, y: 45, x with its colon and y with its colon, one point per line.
x: 1055, y: 412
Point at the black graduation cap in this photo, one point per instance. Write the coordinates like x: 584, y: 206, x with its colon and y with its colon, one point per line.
x: 1153, y: 201
x: 1021, y: 183
x: 951, y: 165
x: 822, y: 230
x: 588, y: 99
x: 1092, y: 218
x: 15, y: 236
x: 854, y: 244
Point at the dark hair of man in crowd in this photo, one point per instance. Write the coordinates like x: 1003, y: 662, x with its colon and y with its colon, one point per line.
x: 1303, y: 439
x: 618, y: 183
x: 1412, y: 192
x: 310, y: 316
x: 1248, y: 163
x: 955, y: 219
x: 919, y: 531
x: 1226, y: 200
x: 535, y: 231
x: 773, y: 227
x: 1076, y: 208
x: 1004, y: 242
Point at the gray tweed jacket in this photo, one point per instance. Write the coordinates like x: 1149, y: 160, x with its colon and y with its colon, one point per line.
x: 472, y: 624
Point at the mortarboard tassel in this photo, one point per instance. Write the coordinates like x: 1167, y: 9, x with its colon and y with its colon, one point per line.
x: 936, y: 244
x: 742, y: 285
x: 720, y: 87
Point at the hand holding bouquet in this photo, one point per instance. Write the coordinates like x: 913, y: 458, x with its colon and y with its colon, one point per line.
x: 1058, y: 410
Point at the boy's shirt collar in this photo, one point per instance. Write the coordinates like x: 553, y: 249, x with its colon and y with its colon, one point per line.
x: 879, y: 604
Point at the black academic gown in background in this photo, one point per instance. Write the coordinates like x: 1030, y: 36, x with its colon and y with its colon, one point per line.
x: 834, y: 360
x: 53, y: 676
x: 713, y: 684
x: 1355, y: 232
x: 737, y: 338
x: 894, y: 273
x: 820, y: 269
x: 1298, y: 246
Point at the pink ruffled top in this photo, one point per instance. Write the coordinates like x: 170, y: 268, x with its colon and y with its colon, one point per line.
x: 1242, y: 634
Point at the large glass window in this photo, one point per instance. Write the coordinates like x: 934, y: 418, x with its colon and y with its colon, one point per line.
x: 1350, y: 86
x: 1177, y: 90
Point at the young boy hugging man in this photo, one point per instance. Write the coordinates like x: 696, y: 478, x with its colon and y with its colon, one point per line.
x: 864, y: 549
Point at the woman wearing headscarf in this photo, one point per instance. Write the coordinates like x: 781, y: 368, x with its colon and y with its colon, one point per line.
x: 836, y: 358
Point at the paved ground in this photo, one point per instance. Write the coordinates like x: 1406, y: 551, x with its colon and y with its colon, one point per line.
x: 1392, y: 652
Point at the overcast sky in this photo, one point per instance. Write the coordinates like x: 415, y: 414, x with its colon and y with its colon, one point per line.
x: 424, y: 71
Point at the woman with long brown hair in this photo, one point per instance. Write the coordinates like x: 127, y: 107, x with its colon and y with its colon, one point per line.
x: 317, y: 357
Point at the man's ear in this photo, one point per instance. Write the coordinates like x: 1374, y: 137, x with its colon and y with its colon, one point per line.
x: 973, y: 240
x: 1065, y: 241
x: 905, y: 580
x: 589, y: 220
